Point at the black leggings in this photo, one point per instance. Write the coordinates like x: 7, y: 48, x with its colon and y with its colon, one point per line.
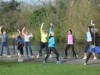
x: 20, y: 48
x: 89, y: 54
x: 54, y: 50
x: 87, y: 45
x: 43, y: 45
x: 67, y: 47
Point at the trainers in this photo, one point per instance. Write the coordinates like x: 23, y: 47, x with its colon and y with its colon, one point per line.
x: 58, y: 62
x: 65, y: 57
x: 32, y: 56
x: 50, y: 56
x: 44, y: 61
x: 20, y: 60
x: 85, y: 63
x: 37, y: 56
x: 84, y: 57
x: 8, y: 56
x: 95, y: 58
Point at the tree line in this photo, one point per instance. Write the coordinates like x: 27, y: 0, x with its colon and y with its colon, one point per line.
x: 64, y: 14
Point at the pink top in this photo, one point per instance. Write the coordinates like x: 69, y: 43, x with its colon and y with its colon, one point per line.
x: 70, y: 39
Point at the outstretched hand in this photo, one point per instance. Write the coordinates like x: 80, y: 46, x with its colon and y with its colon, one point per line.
x: 0, y: 26
x: 51, y: 24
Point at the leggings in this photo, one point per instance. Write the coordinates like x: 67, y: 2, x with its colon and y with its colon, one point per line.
x: 87, y: 45
x: 67, y: 47
x: 20, y: 48
x: 54, y: 50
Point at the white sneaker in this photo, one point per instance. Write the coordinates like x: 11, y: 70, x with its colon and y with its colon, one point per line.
x: 37, y: 56
x: 45, y: 55
x: 8, y: 56
x: 95, y: 58
x: 85, y: 64
x: 50, y: 56
x: 84, y: 57
x: 20, y: 60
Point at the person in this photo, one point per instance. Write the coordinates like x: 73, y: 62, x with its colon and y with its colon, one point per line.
x: 43, y: 42
x: 95, y: 37
x: 51, y: 47
x: 88, y: 42
x: 70, y: 43
x: 4, y: 40
x: 27, y: 42
x: 20, y: 45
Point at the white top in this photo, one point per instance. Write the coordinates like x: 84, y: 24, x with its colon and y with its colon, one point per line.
x: 27, y: 37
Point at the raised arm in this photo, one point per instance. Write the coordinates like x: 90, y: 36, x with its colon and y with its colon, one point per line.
x: 41, y: 29
x: 0, y: 29
x: 51, y: 28
x: 18, y: 31
x: 23, y: 30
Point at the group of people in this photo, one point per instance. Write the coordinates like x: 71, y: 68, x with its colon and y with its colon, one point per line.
x: 48, y: 42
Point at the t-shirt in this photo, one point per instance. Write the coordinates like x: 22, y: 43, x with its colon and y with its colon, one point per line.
x: 4, y: 38
x: 70, y: 39
x: 27, y: 38
x: 88, y: 36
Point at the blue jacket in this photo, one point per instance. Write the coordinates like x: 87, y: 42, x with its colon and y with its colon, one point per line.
x: 51, y: 42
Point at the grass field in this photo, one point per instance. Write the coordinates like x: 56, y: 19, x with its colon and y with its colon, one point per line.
x: 31, y: 68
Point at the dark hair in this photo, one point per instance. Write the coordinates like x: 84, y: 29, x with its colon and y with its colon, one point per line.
x: 70, y: 31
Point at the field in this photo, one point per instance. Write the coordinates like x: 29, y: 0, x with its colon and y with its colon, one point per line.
x: 34, y: 68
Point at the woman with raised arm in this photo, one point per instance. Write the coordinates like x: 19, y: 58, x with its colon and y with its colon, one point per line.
x: 95, y: 37
x: 51, y: 47
x: 27, y: 43
x: 20, y: 45
x: 43, y: 42
x: 4, y: 42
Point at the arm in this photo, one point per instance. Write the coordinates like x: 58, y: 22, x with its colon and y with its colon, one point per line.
x: 31, y: 35
x: 98, y: 41
x: 23, y: 30
x: 18, y: 31
x: 51, y: 29
x: 0, y: 29
x: 41, y: 29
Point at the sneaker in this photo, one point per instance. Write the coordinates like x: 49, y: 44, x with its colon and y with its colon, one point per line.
x: 20, y: 60
x: 37, y: 56
x: 85, y: 63
x: 84, y: 57
x: 75, y: 57
x: 65, y: 57
x: 32, y: 56
x: 95, y: 58
x: 58, y: 62
x: 8, y: 56
x: 45, y: 55
x: 44, y: 61
x: 50, y: 56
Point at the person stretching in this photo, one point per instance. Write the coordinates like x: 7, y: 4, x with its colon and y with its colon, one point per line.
x: 27, y: 42
x: 51, y: 47
x: 70, y: 43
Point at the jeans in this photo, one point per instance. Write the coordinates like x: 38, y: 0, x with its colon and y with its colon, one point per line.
x: 28, y: 45
x: 2, y: 46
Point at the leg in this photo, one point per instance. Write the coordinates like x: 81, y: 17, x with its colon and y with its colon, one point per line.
x: 85, y: 49
x: 74, y: 54
x: 29, y: 45
x: 7, y: 48
x: 48, y: 52
x: 66, y: 49
x: 89, y: 54
x: 46, y: 46
x: 56, y: 52
x: 41, y: 47
x: 2, y: 45
x: 21, y: 50
x: 26, y: 47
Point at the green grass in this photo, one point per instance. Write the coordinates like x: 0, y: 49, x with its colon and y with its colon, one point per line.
x: 31, y: 68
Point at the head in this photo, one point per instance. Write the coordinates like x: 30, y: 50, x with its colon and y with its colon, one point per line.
x: 4, y: 32
x: 19, y: 34
x: 52, y: 33
x: 88, y: 29
x: 44, y: 31
x: 26, y: 33
x: 95, y: 30
x: 70, y: 32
